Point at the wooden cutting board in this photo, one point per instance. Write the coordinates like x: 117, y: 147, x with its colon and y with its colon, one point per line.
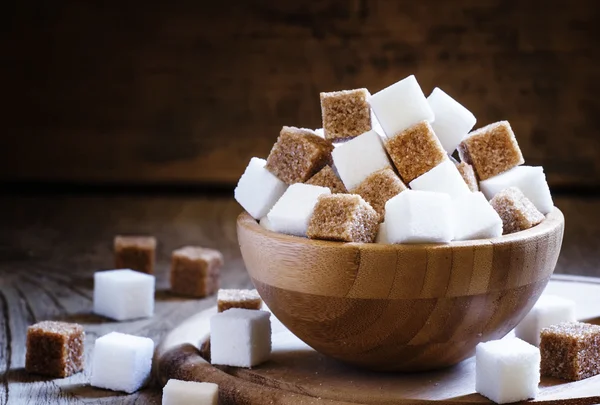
x: 296, y: 374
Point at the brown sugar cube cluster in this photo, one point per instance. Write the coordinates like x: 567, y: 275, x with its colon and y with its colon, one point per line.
x: 517, y: 211
x: 468, y: 174
x: 195, y: 271
x: 415, y: 151
x: 491, y: 150
x: 233, y: 298
x: 346, y: 114
x: 298, y: 154
x: 570, y: 350
x: 326, y: 177
x: 343, y: 217
x: 135, y: 253
x: 55, y: 349
x: 379, y: 187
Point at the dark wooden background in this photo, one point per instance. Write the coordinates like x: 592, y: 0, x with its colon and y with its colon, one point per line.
x: 187, y: 91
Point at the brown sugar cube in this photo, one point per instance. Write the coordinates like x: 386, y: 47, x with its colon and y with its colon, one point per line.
x: 232, y: 298
x: 491, y: 150
x: 135, y: 253
x: 326, y: 177
x: 298, y: 154
x: 570, y: 350
x: 415, y: 151
x: 55, y: 349
x: 517, y: 211
x: 195, y: 271
x: 468, y: 174
x: 343, y: 217
x: 379, y: 187
x: 345, y: 113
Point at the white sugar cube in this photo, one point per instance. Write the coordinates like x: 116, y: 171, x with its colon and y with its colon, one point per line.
x: 121, y: 362
x: 548, y: 310
x: 419, y: 217
x: 531, y: 180
x: 124, y: 294
x: 265, y: 223
x: 444, y: 178
x: 240, y: 337
x: 356, y: 159
x: 258, y: 189
x: 400, y: 106
x: 382, y: 234
x: 507, y: 370
x: 475, y: 218
x: 177, y: 392
x: 320, y: 132
x: 293, y: 210
x: 452, y: 120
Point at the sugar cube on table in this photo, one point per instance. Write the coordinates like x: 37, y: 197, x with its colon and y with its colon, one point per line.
x: 475, y: 218
x: 517, y: 211
x: 298, y: 154
x: 443, y: 178
x: 135, y: 253
x: 491, y: 150
x: 400, y: 106
x: 290, y: 215
x: 378, y: 188
x: 531, y: 180
x: 356, y: 159
x: 415, y: 151
x: 345, y: 113
x: 382, y: 234
x: 55, y: 349
x: 570, y: 350
x: 258, y: 189
x: 548, y: 310
x: 121, y: 362
x: 178, y: 392
x: 419, y: 217
x: 468, y: 175
x: 195, y: 271
x: 326, y: 177
x: 507, y: 370
x: 343, y: 217
x: 234, y: 298
x: 452, y: 120
x: 123, y: 294
x: 240, y: 337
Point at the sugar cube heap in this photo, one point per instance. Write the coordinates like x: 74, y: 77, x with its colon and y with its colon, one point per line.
x: 346, y: 113
x: 195, y: 271
x: 178, y: 392
x: 233, y: 298
x: 468, y: 175
x: 378, y: 188
x: 547, y: 311
x: 258, y: 189
x: 326, y: 177
x: 135, y: 252
x: 124, y: 294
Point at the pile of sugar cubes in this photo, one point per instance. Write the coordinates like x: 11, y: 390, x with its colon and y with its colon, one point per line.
x: 381, y: 170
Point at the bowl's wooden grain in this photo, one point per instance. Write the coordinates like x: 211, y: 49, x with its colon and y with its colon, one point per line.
x: 400, y: 307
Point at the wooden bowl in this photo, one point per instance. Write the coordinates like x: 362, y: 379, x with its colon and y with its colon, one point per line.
x: 400, y: 307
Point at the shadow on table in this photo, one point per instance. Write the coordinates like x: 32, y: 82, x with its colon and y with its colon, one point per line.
x: 83, y: 318
x: 166, y: 295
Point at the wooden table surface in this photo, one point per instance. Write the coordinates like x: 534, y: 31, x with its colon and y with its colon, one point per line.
x: 50, y: 246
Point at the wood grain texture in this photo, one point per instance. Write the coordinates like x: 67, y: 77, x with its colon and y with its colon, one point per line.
x: 184, y: 92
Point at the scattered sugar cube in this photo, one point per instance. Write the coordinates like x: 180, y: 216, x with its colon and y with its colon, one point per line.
x: 258, y: 189
x: 548, y: 310
x: 382, y: 234
x: 265, y: 223
x: 121, y: 362
x: 195, y: 271
x: 468, y: 175
x: 240, y: 337
x: 356, y: 159
x: 531, y: 180
x: 400, y: 106
x: 55, y: 349
x: 343, y: 217
x: 474, y: 218
x: 177, y: 392
x: 326, y: 177
x: 379, y: 187
x: 135, y: 253
x: 443, y: 178
x: 570, y: 350
x: 517, y: 211
x: 419, y: 217
x: 298, y: 154
x: 123, y: 295
x: 346, y: 114
x: 415, y: 151
x: 292, y: 212
x: 491, y: 150
x: 507, y: 370
x: 233, y: 298
x: 452, y: 120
